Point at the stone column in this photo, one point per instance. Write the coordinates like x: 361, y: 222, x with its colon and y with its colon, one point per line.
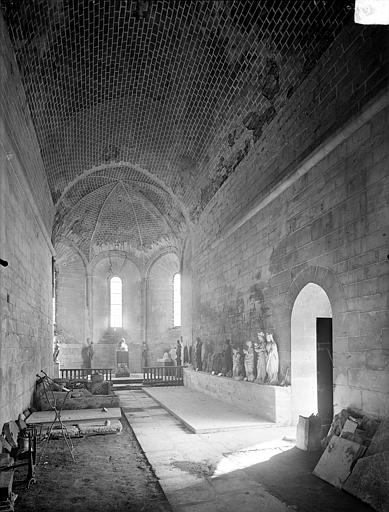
x: 144, y: 318
x: 88, y: 305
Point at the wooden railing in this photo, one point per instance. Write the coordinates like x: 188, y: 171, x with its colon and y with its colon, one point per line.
x: 85, y: 373
x: 163, y: 376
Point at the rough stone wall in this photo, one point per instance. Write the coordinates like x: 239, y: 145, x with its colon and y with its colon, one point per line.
x: 161, y: 334
x: 26, y: 338
x: 348, y: 75
x: 330, y: 227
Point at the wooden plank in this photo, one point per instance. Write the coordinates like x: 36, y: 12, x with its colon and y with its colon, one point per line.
x: 74, y: 417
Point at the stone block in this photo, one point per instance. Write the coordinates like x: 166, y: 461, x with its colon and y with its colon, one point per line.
x: 372, y: 322
x: 368, y: 379
x: 346, y: 324
x: 335, y: 464
x: 72, y: 431
x: 109, y: 427
x: 377, y: 360
x: 369, y: 481
x: 374, y: 402
x: 270, y: 402
x: 364, y: 342
x: 380, y: 441
x: 344, y: 397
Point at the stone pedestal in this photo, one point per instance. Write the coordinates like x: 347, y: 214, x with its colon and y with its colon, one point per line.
x: 269, y: 402
x: 56, y: 371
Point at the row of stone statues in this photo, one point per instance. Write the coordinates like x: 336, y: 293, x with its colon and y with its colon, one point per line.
x: 256, y: 362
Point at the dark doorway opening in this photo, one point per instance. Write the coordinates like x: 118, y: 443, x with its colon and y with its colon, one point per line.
x: 324, y: 371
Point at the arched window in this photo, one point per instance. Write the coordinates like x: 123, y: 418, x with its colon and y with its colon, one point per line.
x: 116, y: 302
x: 177, y: 300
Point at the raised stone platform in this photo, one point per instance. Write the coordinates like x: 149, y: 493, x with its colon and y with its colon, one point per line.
x: 273, y: 403
x: 204, y: 414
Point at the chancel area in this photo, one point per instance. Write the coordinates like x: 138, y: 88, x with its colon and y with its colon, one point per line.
x: 194, y: 231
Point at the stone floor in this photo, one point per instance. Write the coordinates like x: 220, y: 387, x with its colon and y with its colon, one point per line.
x: 245, y: 470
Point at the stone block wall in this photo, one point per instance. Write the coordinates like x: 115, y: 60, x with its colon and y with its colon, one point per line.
x: 71, y: 298
x: 26, y: 213
x: 275, y: 225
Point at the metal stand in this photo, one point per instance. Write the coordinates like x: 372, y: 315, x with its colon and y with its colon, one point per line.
x: 48, y: 385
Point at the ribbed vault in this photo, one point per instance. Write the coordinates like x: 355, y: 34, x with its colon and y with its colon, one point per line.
x: 182, y: 89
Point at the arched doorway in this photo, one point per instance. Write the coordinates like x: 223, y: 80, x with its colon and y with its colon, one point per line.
x: 311, y: 354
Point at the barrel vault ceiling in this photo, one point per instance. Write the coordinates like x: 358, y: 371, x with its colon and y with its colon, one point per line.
x: 135, y: 103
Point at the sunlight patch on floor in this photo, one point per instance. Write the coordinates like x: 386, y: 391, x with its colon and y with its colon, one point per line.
x: 255, y: 454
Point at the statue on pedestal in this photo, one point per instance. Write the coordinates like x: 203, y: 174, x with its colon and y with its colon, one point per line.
x: 198, y: 362
x: 123, y: 345
x: 227, y: 359
x: 144, y: 354
x: 237, y: 371
x: 217, y: 363
x: 204, y: 355
x: 90, y: 352
x: 178, y: 353
x: 186, y: 354
x: 56, y: 351
x: 260, y: 349
x: 249, y: 361
x: 210, y: 362
x: 272, y: 361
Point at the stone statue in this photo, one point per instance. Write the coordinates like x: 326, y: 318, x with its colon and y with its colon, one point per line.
x: 166, y: 356
x: 227, y: 359
x: 186, y: 354
x: 209, y: 362
x: 272, y: 361
x: 217, y: 363
x: 249, y: 361
x: 56, y: 351
x: 198, y: 362
x: 123, y: 345
x: 260, y: 349
x: 173, y: 354
x: 204, y: 355
x: 90, y: 351
x: 237, y: 371
x: 178, y: 353
x: 144, y: 354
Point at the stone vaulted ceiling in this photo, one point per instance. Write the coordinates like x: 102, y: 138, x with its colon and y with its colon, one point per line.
x: 144, y: 108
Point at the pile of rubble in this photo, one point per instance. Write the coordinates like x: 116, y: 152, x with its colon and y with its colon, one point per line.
x: 84, y: 394
x: 356, y: 457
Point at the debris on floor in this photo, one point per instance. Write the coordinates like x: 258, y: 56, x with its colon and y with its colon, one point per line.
x: 369, y: 481
x: 111, y: 474
x: 201, y: 469
x: 308, y: 434
x: 92, y: 429
x: 336, y: 462
x: 356, y: 457
x: 83, y: 393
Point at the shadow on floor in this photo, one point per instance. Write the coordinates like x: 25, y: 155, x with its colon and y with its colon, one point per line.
x: 288, y: 476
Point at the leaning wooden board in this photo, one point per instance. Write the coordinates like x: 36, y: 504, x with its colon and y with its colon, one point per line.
x: 74, y: 416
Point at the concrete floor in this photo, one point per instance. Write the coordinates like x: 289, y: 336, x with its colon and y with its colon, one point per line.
x: 245, y: 469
